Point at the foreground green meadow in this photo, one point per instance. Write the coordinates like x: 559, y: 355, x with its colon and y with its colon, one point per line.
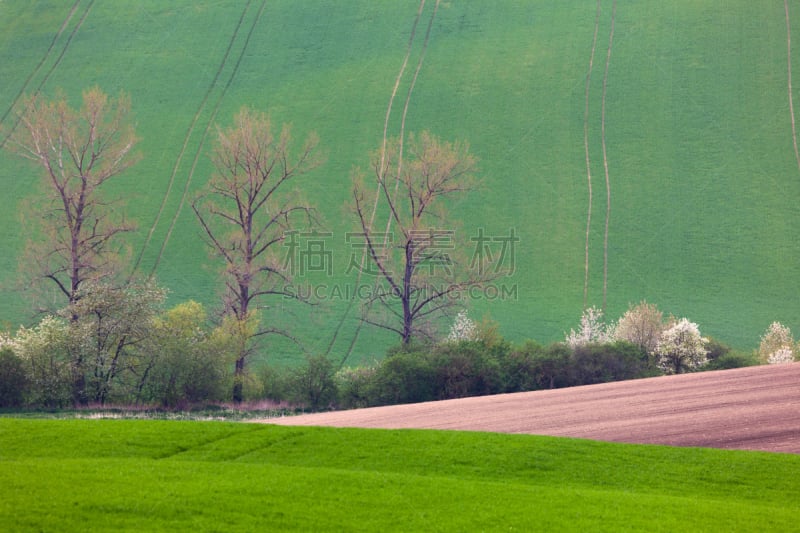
x: 104, y: 475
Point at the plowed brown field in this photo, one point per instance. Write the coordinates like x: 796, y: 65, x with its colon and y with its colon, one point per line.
x: 755, y: 408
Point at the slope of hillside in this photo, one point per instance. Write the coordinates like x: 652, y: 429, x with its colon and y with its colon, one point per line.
x: 684, y: 121
x: 755, y: 408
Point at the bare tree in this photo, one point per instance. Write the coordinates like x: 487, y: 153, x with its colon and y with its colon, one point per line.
x: 246, y: 212
x: 79, y: 152
x: 416, y: 258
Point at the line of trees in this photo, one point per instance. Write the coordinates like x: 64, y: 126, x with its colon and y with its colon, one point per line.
x: 182, y: 361
x: 106, y: 337
x: 75, y: 258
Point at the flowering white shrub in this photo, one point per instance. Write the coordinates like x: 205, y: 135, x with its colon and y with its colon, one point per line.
x: 777, y: 344
x: 780, y: 356
x: 8, y: 342
x: 681, y: 348
x: 463, y: 329
x: 593, y: 330
x: 43, y: 349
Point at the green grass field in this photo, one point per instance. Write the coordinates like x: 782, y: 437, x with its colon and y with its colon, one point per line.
x: 703, y: 178
x: 101, y: 475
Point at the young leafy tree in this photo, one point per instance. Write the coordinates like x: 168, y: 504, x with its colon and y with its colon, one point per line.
x: 184, y: 362
x: 44, y: 351
x: 641, y: 325
x: 78, y: 151
x: 246, y: 211
x: 415, y: 257
x: 108, y: 326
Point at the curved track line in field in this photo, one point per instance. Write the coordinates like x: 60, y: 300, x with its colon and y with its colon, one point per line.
x: 588, y: 162
x: 605, y: 155
x: 400, y: 152
x: 186, y: 139
x: 211, y: 119
x: 41, y: 61
x: 378, y: 191
x: 789, y: 72
x: 405, y: 113
x: 55, y: 64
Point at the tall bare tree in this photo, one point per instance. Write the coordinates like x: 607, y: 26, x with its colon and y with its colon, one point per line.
x: 417, y: 257
x: 79, y: 151
x: 246, y: 211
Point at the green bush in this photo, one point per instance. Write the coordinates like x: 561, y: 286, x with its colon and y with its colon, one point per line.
x: 551, y: 366
x: 313, y: 384
x: 184, y: 364
x: 273, y: 383
x: 13, y: 380
x: 466, y: 368
x: 519, y: 367
x: 356, y: 386
x: 602, y: 363
x: 405, y: 377
x: 715, y: 349
x: 732, y: 359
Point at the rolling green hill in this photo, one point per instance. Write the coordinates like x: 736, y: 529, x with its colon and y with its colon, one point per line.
x: 102, y: 475
x: 691, y: 112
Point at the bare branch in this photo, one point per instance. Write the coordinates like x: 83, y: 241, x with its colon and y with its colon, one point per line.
x: 431, y: 172
x: 246, y: 211
x: 78, y: 151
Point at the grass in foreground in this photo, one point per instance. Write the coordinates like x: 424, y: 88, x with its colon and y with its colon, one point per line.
x: 163, y: 475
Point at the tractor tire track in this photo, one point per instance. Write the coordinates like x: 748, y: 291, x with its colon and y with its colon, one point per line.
x: 41, y: 61
x: 605, y: 154
x: 588, y: 161
x: 205, y: 134
x: 405, y: 112
x: 186, y: 139
x: 398, y: 79
x: 789, y: 78
x: 52, y: 67
x: 400, y: 153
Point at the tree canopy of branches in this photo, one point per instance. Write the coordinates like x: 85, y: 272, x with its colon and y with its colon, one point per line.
x: 79, y: 151
x: 246, y: 211
x: 415, y: 258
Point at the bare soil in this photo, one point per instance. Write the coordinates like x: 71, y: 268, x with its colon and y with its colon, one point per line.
x: 755, y: 408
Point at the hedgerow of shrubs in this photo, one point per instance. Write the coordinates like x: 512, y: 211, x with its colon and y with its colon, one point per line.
x: 182, y: 361
x: 476, y: 360
x: 457, y: 370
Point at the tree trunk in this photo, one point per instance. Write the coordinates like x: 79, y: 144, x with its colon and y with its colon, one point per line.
x: 238, y: 379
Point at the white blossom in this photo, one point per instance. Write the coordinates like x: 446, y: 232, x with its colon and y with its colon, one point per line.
x: 7, y: 341
x: 783, y: 355
x: 681, y: 348
x: 463, y: 329
x: 777, y: 344
x: 592, y: 330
